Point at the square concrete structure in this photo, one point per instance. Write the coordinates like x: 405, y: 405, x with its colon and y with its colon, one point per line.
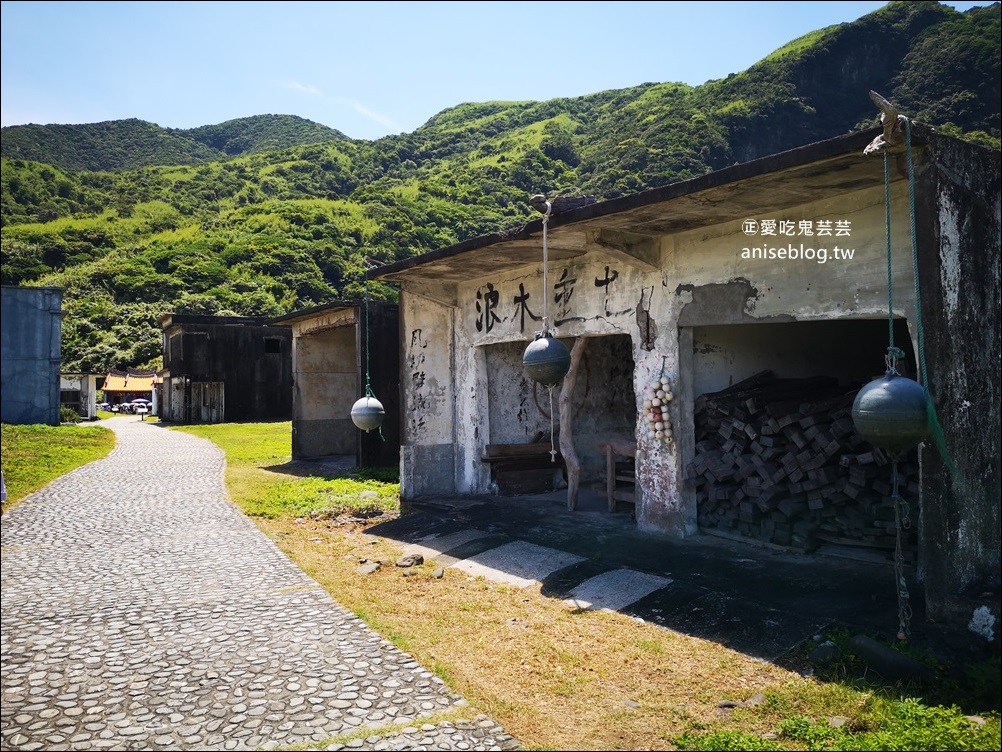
x: 224, y: 369
x: 31, y: 321
x: 778, y: 263
x: 333, y: 346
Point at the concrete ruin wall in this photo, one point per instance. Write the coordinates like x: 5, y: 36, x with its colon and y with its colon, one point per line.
x: 429, y: 398
x: 959, y: 262
x: 701, y: 281
x: 325, y: 388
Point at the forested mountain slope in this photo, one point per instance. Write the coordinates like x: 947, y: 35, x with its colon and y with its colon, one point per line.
x: 270, y: 214
x: 131, y: 144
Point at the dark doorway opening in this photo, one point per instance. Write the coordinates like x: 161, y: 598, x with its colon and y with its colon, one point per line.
x: 776, y: 457
x: 604, y: 404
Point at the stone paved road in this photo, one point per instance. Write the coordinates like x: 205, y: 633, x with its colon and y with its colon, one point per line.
x: 142, y: 610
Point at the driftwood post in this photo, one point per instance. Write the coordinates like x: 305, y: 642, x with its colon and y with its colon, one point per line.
x: 571, y: 460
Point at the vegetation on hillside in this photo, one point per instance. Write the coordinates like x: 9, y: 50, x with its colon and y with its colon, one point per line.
x: 271, y: 214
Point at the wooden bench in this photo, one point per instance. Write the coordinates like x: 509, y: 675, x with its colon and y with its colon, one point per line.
x: 522, y: 468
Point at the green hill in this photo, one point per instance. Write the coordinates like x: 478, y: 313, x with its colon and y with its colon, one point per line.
x: 131, y: 144
x: 270, y: 214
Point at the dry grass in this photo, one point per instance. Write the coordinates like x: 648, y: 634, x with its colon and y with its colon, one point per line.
x: 554, y: 676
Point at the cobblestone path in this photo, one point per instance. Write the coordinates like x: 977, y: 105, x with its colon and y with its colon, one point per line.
x: 142, y: 610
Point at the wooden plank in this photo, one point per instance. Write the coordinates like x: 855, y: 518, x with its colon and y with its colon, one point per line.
x: 493, y: 451
x: 517, y: 482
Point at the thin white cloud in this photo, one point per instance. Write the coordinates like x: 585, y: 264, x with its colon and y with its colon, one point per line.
x: 305, y: 88
x: 377, y: 117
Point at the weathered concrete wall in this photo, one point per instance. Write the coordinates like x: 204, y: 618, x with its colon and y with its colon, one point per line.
x: 704, y: 281
x: 332, y: 369
x: 670, y: 302
x: 31, y: 325
x: 253, y: 360
x: 325, y: 388
x: 519, y: 409
x: 429, y: 398
x: 700, y: 280
x: 959, y: 262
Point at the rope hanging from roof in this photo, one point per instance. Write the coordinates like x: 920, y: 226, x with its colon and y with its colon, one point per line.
x: 895, y: 413
x: 367, y: 412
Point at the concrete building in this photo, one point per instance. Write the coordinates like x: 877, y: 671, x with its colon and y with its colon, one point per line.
x: 333, y: 347
x: 224, y: 369
x: 79, y: 391
x: 779, y: 264
x: 31, y: 321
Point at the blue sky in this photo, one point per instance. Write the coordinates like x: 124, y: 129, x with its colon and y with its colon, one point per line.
x: 368, y: 69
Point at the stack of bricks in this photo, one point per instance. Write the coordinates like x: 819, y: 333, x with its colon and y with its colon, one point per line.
x: 780, y: 460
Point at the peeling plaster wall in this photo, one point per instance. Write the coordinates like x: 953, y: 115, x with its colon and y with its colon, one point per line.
x: 519, y: 409
x: 497, y: 317
x: 456, y: 355
x: 472, y: 419
x: 706, y: 282
x: 429, y: 398
x: 715, y: 285
x: 515, y: 403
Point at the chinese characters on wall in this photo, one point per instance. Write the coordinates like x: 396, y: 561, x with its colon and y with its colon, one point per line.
x: 491, y: 309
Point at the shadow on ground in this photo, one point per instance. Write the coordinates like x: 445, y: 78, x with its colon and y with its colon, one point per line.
x: 761, y: 602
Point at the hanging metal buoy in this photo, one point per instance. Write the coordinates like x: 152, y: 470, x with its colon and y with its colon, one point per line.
x: 546, y: 360
x: 367, y: 413
x: 892, y: 412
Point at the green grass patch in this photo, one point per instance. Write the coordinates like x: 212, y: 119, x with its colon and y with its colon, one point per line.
x: 326, y: 498
x: 850, y: 708
x: 32, y: 456
x: 882, y: 725
x: 264, y: 482
x: 972, y: 684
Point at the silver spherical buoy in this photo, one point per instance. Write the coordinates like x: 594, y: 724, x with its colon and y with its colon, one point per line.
x: 546, y: 360
x: 367, y: 413
x: 892, y: 412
